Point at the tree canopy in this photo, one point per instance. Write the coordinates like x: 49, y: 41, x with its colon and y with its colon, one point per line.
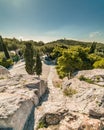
x: 38, y: 67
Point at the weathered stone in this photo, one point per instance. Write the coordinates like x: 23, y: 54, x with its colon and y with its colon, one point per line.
x: 4, y: 71
x: 17, y: 99
x: 97, y: 112
x: 49, y: 119
x: 53, y: 119
x: 89, y: 96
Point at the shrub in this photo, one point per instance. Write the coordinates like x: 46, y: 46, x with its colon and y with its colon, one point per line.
x: 41, y: 124
x: 69, y: 91
x: 1, y: 78
x: 82, y: 78
x: 99, y: 64
x: 15, y: 58
x: 6, y: 62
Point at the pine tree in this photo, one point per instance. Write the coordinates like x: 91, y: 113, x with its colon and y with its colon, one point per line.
x: 38, y: 67
x: 29, y: 61
x: 4, y: 48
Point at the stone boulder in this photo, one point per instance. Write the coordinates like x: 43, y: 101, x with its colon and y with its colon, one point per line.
x: 53, y: 118
x: 85, y: 108
x: 72, y: 121
x: 97, y: 112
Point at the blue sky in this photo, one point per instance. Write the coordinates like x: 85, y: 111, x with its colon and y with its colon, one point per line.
x: 48, y: 20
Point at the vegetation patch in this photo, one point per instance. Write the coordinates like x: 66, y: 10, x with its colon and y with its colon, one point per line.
x: 57, y: 83
x: 41, y: 124
x: 2, y: 78
x: 69, y: 91
x: 82, y: 78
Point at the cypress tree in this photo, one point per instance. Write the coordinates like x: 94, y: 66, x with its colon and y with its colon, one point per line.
x: 29, y: 61
x: 38, y: 67
x: 93, y: 47
x: 4, y: 48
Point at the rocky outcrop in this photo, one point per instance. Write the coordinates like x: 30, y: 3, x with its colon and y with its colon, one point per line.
x: 85, y: 109
x: 53, y: 118
x: 18, y: 96
x: 97, y: 112
x: 70, y: 121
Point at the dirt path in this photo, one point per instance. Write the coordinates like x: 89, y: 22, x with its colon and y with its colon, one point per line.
x: 52, y: 101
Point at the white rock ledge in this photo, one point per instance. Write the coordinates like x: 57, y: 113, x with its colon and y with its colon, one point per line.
x: 18, y: 95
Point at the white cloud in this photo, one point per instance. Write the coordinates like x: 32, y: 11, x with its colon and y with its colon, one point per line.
x: 94, y: 34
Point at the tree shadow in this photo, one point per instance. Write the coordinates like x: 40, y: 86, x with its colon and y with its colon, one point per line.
x: 30, y: 122
x: 44, y: 97
x: 6, y: 128
x: 32, y: 86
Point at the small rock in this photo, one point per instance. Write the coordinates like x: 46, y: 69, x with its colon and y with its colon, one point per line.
x: 97, y: 112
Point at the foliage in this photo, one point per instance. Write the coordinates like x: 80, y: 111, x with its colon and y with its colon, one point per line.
x: 57, y: 52
x: 41, y: 125
x: 76, y: 58
x: 68, y: 63
x: 69, y: 91
x: 2, y: 78
x: 4, y: 48
x: 6, y: 62
x: 82, y: 78
x: 15, y: 58
x: 38, y: 67
x: 29, y: 61
x: 92, y: 58
x: 1, y: 55
x: 93, y: 47
x: 99, y: 64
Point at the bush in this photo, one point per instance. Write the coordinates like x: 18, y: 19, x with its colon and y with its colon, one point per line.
x: 15, y: 58
x: 6, y: 62
x: 41, y: 125
x: 99, y: 64
x: 1, y: 55
x: 82, y: 78
x: 69, y: 91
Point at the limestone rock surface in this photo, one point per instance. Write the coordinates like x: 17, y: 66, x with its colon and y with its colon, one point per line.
x: 84, y: 110
x: 19, y: 93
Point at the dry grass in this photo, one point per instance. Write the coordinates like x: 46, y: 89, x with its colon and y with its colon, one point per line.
x: 69, y: 91
x: 57, y: 83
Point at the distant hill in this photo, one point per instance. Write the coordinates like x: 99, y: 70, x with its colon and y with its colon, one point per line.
x: 65, y: 42
x: 14, y: 44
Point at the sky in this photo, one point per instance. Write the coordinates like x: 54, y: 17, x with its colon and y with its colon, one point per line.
x: 48, y: 20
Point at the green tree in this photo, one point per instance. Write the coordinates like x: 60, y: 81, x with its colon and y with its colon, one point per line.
x: 29, y: 60
x: 38, y: 67
x: 99, y: 64
x: 57, y: 52
x: 4, y: 48
x: 68, y: 63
